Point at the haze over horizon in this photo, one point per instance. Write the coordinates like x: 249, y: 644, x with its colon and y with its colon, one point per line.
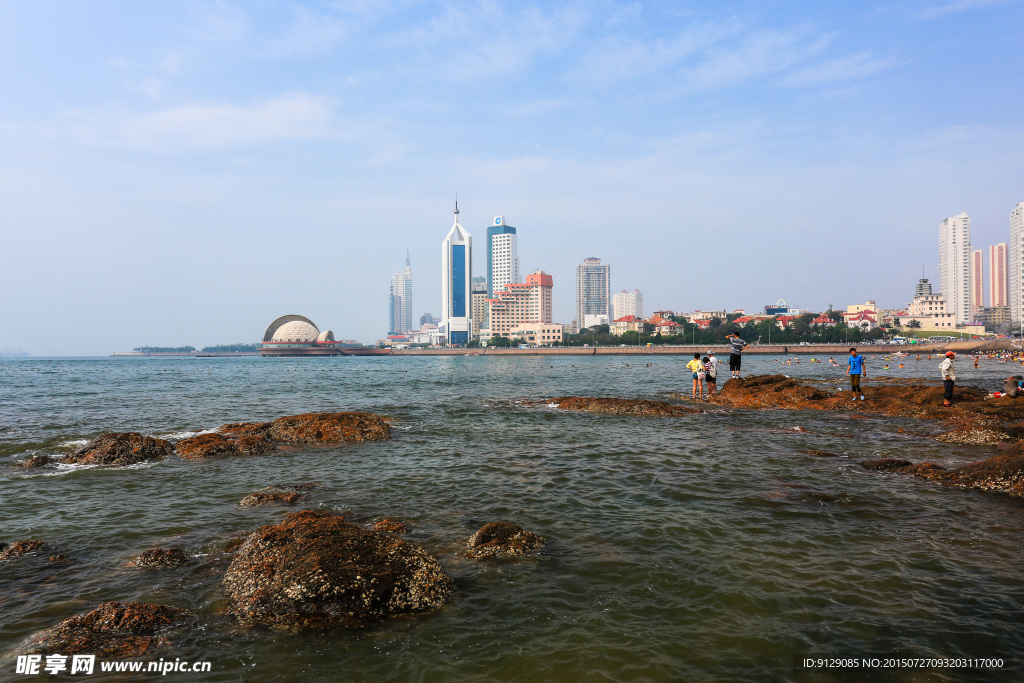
x: 184, y: 173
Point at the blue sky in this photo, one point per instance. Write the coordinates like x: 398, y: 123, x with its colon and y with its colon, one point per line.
x: 183, y: 173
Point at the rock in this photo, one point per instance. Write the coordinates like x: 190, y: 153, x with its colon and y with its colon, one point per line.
x: 885, y: 464
x: 620, y: 406
x: 1004, y: 473
x: 330, y: 428
x: 120, y: 449
x: 212, y: 445
x: 501, y: 539
x: 391, y: 526
x: 9, y: 550
x: 239, y: 429
x: 36, y: 461
x: 768, y: 391
x: 112, y: 630
x: 818, y: 454
x: 161, y: 558
x: 58, y: 558
x: 270, y: 496
x: 974, y: 435
x: 314, y: 570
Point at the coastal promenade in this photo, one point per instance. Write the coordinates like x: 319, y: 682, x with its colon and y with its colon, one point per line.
x: 967, y: 346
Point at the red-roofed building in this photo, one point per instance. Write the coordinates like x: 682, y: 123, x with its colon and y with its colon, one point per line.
x: 668, y: 328
x: 627, y: 323
x: 783, y: 321
x: 823, y: 321
x: 864, y: 320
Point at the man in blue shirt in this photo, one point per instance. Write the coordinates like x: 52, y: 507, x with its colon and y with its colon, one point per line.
x: 856, y: 371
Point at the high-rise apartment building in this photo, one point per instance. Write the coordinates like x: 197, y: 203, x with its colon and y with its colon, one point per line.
x: 1016, y: 258
x: 456, y: 280
x: 502, y: 256
x: 400, y: 301
x: 955, y: 266
x: 479, y: 295
x: 521, y: 303
x: 593, y: 289
x: 998, y: 272
x: 628, y: 303
x: 977, y: 281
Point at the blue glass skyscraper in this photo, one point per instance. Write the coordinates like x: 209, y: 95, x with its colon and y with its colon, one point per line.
x: 456, y: 281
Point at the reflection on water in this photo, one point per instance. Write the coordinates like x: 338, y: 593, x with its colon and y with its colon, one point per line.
x: 705, y: 547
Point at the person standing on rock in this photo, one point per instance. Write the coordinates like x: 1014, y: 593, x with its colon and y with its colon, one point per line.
x: 735, y: 353
x: 711, y: 372
x: 697, y: 370
x: 856, y: 371
x: 948, y: 378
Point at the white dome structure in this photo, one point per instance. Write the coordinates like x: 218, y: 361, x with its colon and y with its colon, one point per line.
x: 291, y: 328
x: 297, y: 335
x: 325, y: 336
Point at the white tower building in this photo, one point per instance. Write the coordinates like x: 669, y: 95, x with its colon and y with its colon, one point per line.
x: 502, y: 256
x: 400, y: 308
x: 955, y: 266
x: 1016, y: 275
x: 456, y: 282
x: 628, y: 303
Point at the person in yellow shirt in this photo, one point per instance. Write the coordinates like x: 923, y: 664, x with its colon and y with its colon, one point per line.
x: 697, y: 370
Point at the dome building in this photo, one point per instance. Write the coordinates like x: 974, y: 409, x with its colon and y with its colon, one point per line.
x: 296, y: 335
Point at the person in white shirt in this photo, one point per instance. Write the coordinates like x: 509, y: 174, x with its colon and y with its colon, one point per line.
x: 948, y: 378
x: 711, y: 370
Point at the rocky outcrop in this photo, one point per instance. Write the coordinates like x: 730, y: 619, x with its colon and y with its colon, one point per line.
x: 619, y: 406
x: 161, y: 558
x: 501, y: 539
x: 330, y: 428
x: 212, y: 445
x: 112, y: 630
x: 36, y: 461
x: 119, y: 449
x: 885, y: 464
x: 314, y: 570
x: 9, y: 550
x: 1003, y: 473
x: 391, y: 526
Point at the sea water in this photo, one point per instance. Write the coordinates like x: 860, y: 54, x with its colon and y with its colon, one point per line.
x: 705, y: 547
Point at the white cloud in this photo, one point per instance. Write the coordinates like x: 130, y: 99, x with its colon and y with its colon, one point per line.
x: 847, y: 68
x: 298, y: 116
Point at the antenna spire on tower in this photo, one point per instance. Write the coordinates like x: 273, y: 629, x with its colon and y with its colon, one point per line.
x: 456, y: 203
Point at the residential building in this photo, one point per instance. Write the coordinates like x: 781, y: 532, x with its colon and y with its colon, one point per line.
x: 668, y: 328
x: 870, y: 307
x: 400, y: 300
x: 977, y: 281
x: 823, y: 321
x: 998, y: 272
x: 502, y: 256
x: 865, y: 320
x: 929, y: 309
x: 478, y: 293
x: 629, y: 323
x: 708, y: 315
x: 521, y: 303
x: 590, y: 320
x: 541, y: 334
x: 593, y: 289
x: 995, y: 318
x: 628, y: 303
x: 428, y: 319
x: 456, y: 277
x: 955, y: 265
x: 1015, y: 279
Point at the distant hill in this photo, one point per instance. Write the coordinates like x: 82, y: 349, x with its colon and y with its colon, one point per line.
x: 8, y: 353
x: 164, y: 349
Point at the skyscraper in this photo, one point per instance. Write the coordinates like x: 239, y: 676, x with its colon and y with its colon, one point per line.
x: 593, y: 289
x: 977, y: 282
x: 628, y: 303
x: 955, y: 266
x: 502, y: 256
x: 998, y: 270
x: 400, y: 301
x: 479, y: 294
x: 456, y: 280
x: 1016, y: 274
x: 519, y: 303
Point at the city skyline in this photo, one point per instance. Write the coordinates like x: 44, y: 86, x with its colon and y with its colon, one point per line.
x: 156, y: 156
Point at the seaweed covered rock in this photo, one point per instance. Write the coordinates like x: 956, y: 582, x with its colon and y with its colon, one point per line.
x: 212, y: 445
x: 120, y: 449
x: 161, y: 558
x: 620, y: 406
x: 768, y: 391
x: 9, y: 550
x: 818, y: 453
x: 272, y: 494
x: 1003, y: 473
x: 501, y: 539
x: 36, y: 461
x: 112, y: 630
x: 239, y: 429
x: 391, y: 526
x: 885, y: 464
x: 314, y: 570
x: 330, y: 428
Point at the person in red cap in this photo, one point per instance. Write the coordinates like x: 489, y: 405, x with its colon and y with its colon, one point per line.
x: 948, y: 378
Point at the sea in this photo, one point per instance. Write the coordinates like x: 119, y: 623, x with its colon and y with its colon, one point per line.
x: 698, y: 548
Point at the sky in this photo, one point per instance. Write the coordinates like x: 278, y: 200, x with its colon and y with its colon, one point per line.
x: 185, y: 172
